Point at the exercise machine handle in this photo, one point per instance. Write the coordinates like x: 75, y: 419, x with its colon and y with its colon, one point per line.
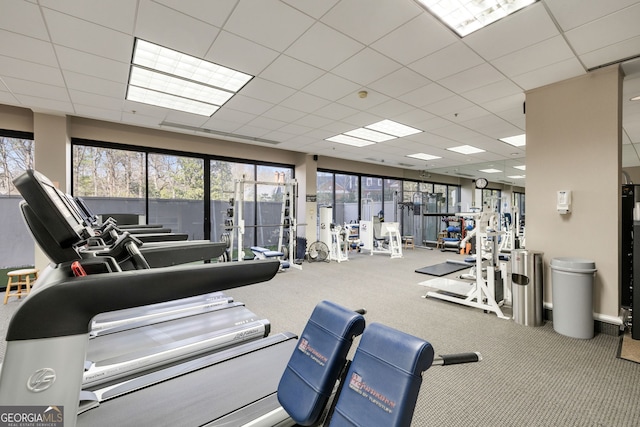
x: 456, y: 359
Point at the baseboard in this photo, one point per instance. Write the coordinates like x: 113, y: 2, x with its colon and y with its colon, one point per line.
x: 603, y: 324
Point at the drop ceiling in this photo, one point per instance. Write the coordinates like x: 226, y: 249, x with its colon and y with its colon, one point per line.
x: 311, y: 59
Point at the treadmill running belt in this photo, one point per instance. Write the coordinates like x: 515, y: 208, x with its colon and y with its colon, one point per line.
x: 198, y: 397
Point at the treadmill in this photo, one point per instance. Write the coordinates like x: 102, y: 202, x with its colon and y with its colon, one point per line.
x: 48, y: 334
x: 58, y: 227
x: 125, y: 353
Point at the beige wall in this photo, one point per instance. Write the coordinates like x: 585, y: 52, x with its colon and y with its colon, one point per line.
x: 574, y: 143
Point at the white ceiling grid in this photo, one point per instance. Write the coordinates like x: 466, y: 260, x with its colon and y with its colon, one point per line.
x: 310, y: 60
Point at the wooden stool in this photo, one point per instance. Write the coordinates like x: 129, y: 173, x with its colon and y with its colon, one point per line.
x: 18, y: 278
x: 408, y: 242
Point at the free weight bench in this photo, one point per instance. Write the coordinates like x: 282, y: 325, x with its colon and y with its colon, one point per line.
x: 263, y: 253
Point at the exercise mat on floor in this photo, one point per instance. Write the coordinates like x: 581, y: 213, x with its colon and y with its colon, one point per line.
x: 443, y: 269
x: 629, y: 349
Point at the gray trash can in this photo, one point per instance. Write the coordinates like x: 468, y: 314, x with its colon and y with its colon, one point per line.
x: 572, y: 295
x: 526, y: 287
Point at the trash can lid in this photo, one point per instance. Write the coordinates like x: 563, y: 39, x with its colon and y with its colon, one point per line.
x: 576, y: 264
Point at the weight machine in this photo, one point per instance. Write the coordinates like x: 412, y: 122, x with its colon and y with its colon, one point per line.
x: 287, y: 227
x: 484, y: 293
x: 381, y: 237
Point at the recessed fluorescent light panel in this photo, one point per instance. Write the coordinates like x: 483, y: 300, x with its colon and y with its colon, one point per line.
x: 490, y: 170
x: 521, y: 167
x: 516, y: 141
x: 467, y: 16
x: 171, y: 79
x: 516, y: 177
x: 393, y: 128
x: 423, y: 156
x: 370, y: 135
x: 384, y: 130
x: 466, y: 149
x: 349, y: 140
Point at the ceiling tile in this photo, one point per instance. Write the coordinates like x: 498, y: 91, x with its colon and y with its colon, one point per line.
x: 24, y: 70
x: 447, y: 61
x: 301, y: 101
x: 99, y: 113
x: 115, y: 14
x: 608, y: 30
x: 86, y: 83
x: 267, y: 123
x: 240, y: 54
x: 99, y: 101
x: 92, y: 65
x: 399, y: 82
x: 44, y: 105
x: 27, y: 48
x: 313, y: 8
x: 331, y: 87
x: 284, y: 114
x: 160, y: 25
x: 335, y: 111
x: 371, y: 100
x: 312, y: 121
x: 392, y: 108
x: 365, y: 67
x: 22, y: 17
x: 517, y: 31
x: 85, y: 36
x: 268, y: 22
x: 323, y: 47
x: 564, y: 11
x: 611, y: 54
x: 377, y: 21
x: 414, y: 40
x: 499, y: 89
x: 473, y: 78
x: 267, y: 91
x: 291, y: 72
x: 553, y: 73
x: 212, y: 12
x: 241, y: 102
x: 447, y: 107
x: 33, y: 88
x: 427, y: 94
x: 533, y: 57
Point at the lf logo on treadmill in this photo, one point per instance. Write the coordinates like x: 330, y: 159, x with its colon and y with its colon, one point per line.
x: 41, y: 380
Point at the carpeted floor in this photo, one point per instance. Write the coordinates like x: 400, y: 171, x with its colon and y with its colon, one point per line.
x: 528, y: 377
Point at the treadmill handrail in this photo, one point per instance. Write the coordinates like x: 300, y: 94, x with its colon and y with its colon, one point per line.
x: 66, y: 307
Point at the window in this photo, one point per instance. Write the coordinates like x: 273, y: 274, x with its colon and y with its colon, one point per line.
x: 16, y: 155
x: 111, y: 181
x: 417, y: 206
x: 345, y: 208
x: 176, y: 191
x: 188, y: 193
x: 371, y: 201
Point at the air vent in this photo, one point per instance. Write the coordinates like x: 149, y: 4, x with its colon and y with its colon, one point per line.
x: 219, y: 133
x: 464, y: 174
x: 406, y: 165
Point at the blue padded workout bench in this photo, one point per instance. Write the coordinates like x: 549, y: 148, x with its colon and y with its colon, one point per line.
x: 318, y: 361
x: 379, y: 388
x: 263, y: 253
